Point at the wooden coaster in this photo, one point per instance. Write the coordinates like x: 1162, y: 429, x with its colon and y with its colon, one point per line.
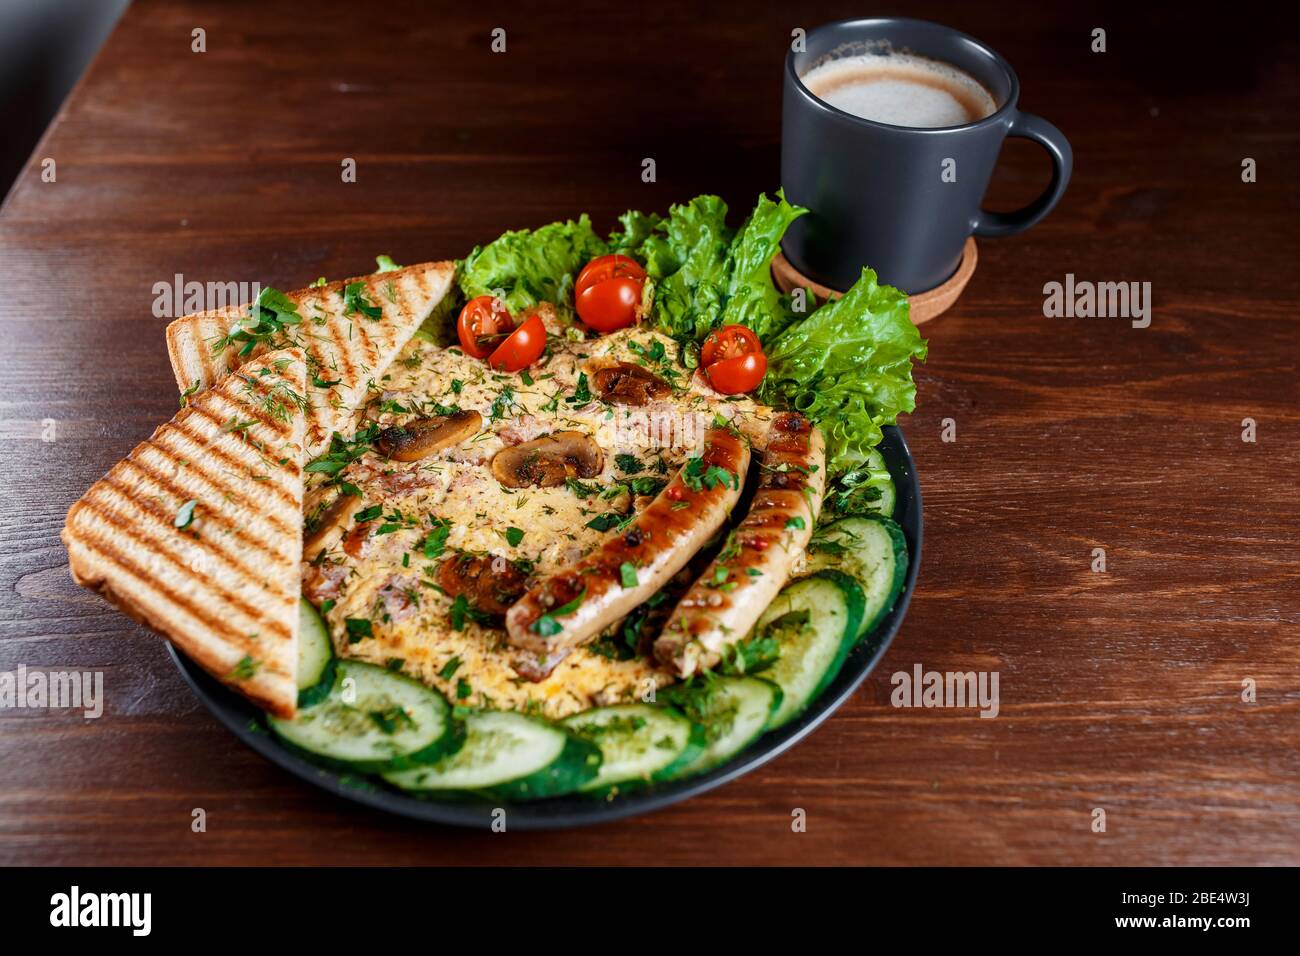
x: 922, y: 307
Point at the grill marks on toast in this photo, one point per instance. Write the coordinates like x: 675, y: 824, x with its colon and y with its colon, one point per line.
x: 351, y: 348
x: 224, y: 589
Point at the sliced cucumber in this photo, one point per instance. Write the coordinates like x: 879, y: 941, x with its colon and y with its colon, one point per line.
x: 866, y: 490
x: 733, y: 712
x: 373, y: 720
x: 638, y: 742
x: 880, y: 478
x: 815, y: 621
x: 316, y: 661
x: 874, y: 551
x: 507, y: 755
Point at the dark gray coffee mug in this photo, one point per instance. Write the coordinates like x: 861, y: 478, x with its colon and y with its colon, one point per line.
x: 876, y: 193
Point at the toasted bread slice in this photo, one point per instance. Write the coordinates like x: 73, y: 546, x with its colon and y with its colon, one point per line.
x: 198, y: 531
x: 347, y: 350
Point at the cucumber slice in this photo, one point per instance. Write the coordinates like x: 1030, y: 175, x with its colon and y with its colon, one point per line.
x: 507, y: 755
x: 815, y: 621
x: 874, y: 551
x: 373, y: 720
x: 316, y: 661
x: 733, y: 712
x: 866, y: 490
x: 638, y: 742
x: 880, y: 478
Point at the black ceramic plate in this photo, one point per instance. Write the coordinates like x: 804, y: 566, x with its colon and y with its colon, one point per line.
x: 246, y: 722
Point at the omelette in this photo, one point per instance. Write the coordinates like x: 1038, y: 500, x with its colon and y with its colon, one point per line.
x: 413, y: 563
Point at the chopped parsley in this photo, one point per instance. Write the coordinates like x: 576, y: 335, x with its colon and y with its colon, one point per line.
x: 354, y: 301
x: 359, y: 628
x: 514, y: 536
x: 548, y: 626
x: 608, y: 521
x: 697, y: 477
x: 267, y: 319
x: 582, y: 394
x: 436, y: 541
x: 245, y: 669
x: 391, y: 718
x: 343, y: 452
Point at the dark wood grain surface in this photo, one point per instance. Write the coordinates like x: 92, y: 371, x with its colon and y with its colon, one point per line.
x: 1120, y: 690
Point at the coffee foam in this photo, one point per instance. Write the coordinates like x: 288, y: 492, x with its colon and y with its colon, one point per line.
x: 900, y: 89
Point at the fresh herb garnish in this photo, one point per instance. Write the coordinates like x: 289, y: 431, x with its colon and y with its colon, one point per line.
x: 436, y: 541
x: 267, y: 319
x: 582, y: 394
x: 608, y: 521
x: 354, y: 301
x: 245, y: 669
x: 548, y: 626
x: 358, y: 629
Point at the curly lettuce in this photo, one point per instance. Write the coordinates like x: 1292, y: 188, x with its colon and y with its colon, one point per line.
x: 708, y: 274
x: 848, y: 367
x: 528, y: 266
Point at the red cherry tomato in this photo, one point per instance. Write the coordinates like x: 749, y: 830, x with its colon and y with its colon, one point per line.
x: 734, y: 376
x: 607, y: 267
x: 522, y: 347
x: 481, y: 324
x: 611, y: 304
x: 729, y: 342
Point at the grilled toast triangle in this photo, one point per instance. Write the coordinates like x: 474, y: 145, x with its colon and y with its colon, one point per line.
x: 197, y: 533
x: 348, y: 347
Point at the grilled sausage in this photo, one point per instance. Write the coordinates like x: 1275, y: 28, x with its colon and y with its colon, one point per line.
x: 571, y: 607
x: 723, y: 605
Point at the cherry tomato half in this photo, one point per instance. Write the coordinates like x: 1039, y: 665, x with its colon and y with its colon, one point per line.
x: 729, y: 342
x: 522, y: 347
x: 607, y: 267
x: 733, y: 376
x: 481, y: 325
x: 610, y: 304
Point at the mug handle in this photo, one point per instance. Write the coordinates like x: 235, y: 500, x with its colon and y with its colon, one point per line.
x: 1029, y: 126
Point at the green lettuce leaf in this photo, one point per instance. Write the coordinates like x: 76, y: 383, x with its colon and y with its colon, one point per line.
x: 752, y: 298
x: 687, y: 258
x: 707, y: 274
x: 636, y: 228
x: 848, y: 367
x: 529, y: 266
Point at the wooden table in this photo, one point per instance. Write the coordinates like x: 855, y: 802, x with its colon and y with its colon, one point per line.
x: 1120, y: 689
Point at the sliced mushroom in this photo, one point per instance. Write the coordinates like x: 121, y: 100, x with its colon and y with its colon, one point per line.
x: 490, y: 583
x: 327, y: 528
x: 422, y: 437
x: 547, y: 461
x: 626, y: 384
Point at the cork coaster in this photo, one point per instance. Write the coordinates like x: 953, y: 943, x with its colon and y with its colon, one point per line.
x: 923, y: 306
